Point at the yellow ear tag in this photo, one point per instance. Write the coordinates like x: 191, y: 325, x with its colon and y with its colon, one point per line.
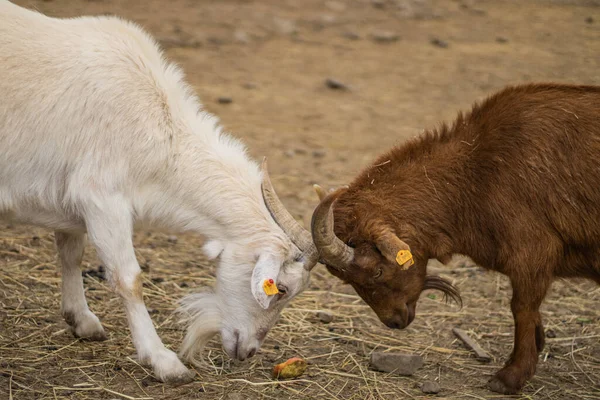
x: 270, y: 287
x: 403, y: 257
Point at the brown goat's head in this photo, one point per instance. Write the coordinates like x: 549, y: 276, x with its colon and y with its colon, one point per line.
x: 367, y: 254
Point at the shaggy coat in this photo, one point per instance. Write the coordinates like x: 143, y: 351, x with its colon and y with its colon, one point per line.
x: 514, y: 184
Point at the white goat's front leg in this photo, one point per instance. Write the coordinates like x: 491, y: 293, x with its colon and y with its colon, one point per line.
x: 74, y: 308
x: 109, y: 227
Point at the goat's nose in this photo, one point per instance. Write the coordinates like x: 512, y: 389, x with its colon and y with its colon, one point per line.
x: 392, y: 324
x: 252, y: 353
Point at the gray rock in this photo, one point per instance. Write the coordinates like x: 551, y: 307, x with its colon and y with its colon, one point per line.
x: 324, y: 316
x: 319, y: 153
x: 352, y: 35
x: 335, y: 84
x: 385, y: 37
x: 285, y: 26
x: 241, y: 37
x: 439, y: 43
x: 225, y: 100
x: 335, y: 5
x: 289, y: 153
x: 431, y: 387
x: 397, y: 363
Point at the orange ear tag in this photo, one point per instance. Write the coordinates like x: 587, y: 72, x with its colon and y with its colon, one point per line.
x: 270, y: 287
x: 404, y: 256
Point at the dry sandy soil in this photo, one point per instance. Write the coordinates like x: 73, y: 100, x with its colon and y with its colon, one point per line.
x: 271, y: 59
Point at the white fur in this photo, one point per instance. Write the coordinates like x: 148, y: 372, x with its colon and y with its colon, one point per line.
x: 99, y: 133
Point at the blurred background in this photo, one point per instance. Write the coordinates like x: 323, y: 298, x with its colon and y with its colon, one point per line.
x: 320, y: 87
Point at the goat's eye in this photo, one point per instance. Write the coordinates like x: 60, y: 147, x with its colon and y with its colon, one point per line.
x: 378, y: 273
x: 282, y: 289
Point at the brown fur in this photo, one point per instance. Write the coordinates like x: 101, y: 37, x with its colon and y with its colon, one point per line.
x: 514, y: 184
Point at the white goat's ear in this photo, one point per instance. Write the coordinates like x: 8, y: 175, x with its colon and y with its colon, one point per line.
x: 264, y: 279
x: 213, y: 249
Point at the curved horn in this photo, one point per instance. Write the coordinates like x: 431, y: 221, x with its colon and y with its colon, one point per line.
x: 296, y: 232
x: 332, y: 250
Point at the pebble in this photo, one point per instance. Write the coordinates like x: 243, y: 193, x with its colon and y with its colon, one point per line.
x: 501, y: 39
x: 285, y: 26
x: 397, y: 363
x: 241, y: 37
x: 385, y: 37
x: 335, y: 5
x: 431, y: 387
x: 335, y: 84
x: 250, y: 85
x: 172, y: 239
x: 378, y: 3
x: 352, y: 35
x: 550, y: 334
x: 319, y: 153
x: 289, y: 153
x: 225, y: 100
x: 439, y: 43
x: 324, y: 316
x: 589, y: 20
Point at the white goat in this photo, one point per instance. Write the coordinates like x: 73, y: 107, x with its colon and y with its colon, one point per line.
x: 98, y: 133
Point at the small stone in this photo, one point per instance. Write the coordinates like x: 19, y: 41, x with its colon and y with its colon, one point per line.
x: 431, y: 387
x: 241, y: 37
x: 172, y: 239
x: 285, y: 26
x: 300, y: 151
x: 249, y: 85
x: 589, y: 20
x: 397, y: 363
x: 378, y: 3
x: 225, y: 100
x: 335, y: 5
x: 352, y: 35
x: 550, y: 334
x: 324, y: 316
x: 289, y: 153
x: 183, y: 284
x: 319, y: 153
x: 385, y: 37
x: 501, y: 39
x: 439, y: 43
x: 335, y: 84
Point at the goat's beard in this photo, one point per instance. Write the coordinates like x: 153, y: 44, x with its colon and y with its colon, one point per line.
x: 450, y: 291
x: 201, y: 314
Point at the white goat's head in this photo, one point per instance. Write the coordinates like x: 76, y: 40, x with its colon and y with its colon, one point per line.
x: 240, y: 307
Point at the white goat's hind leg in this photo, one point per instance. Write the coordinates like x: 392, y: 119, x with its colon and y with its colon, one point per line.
x: 74, y: 308
x: 110, y: 229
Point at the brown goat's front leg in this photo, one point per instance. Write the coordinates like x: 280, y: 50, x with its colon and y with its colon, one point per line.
x: 529, y: 338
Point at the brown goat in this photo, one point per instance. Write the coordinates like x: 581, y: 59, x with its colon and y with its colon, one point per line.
x: 514, y: 185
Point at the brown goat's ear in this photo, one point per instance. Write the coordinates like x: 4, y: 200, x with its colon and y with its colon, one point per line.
x: 395, y: 250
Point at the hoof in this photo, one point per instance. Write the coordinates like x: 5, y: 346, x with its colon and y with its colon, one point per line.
x: 497, y: 385
x: 181, y: 379
x: 86, y: 326
x: 168, y: 369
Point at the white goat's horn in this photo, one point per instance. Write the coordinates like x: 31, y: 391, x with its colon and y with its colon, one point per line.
x: 331, y: 249
x: 296, y: 232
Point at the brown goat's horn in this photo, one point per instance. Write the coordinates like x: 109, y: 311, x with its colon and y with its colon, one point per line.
x: 296, y: 232
x: 331, y: 249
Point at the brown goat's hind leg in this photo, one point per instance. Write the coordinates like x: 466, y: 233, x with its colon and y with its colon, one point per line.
x: 529, y: 338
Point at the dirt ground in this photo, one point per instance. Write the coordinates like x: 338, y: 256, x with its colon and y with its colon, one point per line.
x: 408, y: 65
